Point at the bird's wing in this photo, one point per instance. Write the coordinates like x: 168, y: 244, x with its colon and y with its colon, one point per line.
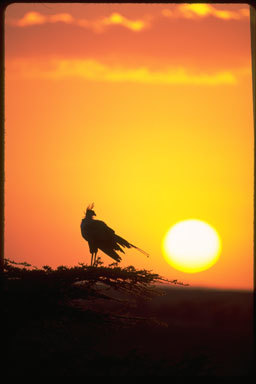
x: 100, y: 232
x: 105, y: 239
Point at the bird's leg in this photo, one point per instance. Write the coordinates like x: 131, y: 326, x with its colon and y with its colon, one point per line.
x: 95, y: 254
x: 92, y: 260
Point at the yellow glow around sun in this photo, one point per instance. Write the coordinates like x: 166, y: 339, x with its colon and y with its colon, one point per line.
x: 192, y: 246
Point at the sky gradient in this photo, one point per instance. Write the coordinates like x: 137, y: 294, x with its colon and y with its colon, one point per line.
x: 143, y: 109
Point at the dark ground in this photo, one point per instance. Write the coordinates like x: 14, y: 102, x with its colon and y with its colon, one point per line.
x: 186, y: 332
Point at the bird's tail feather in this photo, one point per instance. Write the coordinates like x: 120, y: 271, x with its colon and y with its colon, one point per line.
x: 112, y: 254
x: 141, y: 250
x: 125, y: 243
x: 122, y: 241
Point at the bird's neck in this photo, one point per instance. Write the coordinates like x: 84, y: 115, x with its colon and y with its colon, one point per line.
x: 88, y: 219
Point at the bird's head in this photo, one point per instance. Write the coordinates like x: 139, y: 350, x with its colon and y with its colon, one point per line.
x: 89, y: 211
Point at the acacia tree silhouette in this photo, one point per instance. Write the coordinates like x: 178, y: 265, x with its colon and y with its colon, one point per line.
x: 63, y: 283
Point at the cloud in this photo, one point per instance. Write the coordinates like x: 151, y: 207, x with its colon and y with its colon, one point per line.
x: 36, y: 18
x: 185, y: 11
x: 93, y: 70
x: 97, y: 25
x: 118, y: 19
x: 199, y: 11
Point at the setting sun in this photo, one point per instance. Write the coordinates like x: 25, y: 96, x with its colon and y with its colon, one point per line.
x: 192, y: 246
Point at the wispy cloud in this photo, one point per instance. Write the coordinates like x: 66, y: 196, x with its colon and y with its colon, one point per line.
x: 97, y: 25
x: 93, y: 70
x: 36, y: 18
x: 199, y: 11
x: 118, y: 19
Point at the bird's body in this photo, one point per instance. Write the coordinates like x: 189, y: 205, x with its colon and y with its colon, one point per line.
x: 100, y: 236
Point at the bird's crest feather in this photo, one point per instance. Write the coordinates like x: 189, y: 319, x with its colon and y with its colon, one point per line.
x: 91, y: 206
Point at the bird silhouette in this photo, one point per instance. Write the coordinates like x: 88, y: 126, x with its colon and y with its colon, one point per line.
x: 100, y: 236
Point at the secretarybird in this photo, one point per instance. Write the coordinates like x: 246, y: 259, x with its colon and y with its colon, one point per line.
x: 100, y: 236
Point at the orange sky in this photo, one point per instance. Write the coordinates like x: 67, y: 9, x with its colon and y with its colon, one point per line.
x: 145, y: 110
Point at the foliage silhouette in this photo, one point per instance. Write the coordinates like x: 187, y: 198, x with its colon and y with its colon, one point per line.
x: 82, y: 280
x: 37, y: 293
x: 65, y: 321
